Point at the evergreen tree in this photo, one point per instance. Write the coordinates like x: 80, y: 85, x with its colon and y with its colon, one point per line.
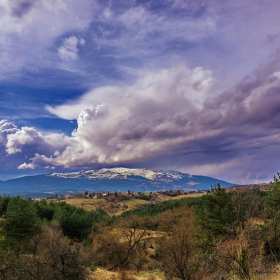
x: 21, y: 222
x: 216, y: 216
x: 4, y: 201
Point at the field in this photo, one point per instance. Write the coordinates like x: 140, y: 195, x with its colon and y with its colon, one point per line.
x: 111, y: 208
x: 118, y: 207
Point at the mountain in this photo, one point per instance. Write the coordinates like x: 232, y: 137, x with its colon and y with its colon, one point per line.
x: 106, y: 179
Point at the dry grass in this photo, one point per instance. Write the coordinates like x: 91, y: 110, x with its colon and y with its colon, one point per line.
x: 273, y: 276
x: 102, y: 274
x: 131, y: 205
x: 188, y: 195
x: 111, y: 208
x: 87, y: 204
x: 117, y: 208
x: 164, y: 197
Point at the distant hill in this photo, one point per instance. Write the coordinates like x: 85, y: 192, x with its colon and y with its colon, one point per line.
x: 106, y: 179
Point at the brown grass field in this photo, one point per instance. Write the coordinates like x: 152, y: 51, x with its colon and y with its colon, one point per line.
x: 117, y: 208
x: 112, y: 208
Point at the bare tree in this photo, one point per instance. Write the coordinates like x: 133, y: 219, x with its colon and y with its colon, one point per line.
x: 179, y: 256
x: 124, y: 247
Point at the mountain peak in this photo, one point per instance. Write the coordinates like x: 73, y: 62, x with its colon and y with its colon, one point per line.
x: 107, y: 179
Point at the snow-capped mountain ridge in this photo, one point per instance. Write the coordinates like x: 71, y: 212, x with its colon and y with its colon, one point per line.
x: 107, y: 179
x: 121, y: 173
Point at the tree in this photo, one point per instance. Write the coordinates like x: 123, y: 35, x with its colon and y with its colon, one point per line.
x: 215, y: 219
x: 179, y: 256
x: 236, y: 256
x: 49, y: 256
x: 216, y: 216
x: 45, y: 210
x: 75, y: 222
x: 246, y: 205
x: 21, y: 223
x: 272, y: 226
x: 240, y: 255
x: 125, y: 248
x: 4, y: 201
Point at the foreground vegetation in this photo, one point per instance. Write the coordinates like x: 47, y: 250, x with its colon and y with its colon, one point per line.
x: 220, y: 235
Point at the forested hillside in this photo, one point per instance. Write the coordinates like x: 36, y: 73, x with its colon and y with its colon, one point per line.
x: 220, y: 235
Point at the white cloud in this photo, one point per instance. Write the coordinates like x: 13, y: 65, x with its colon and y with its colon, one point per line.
x: 6, y: 128
x: 37, y: 161
x: 126, y: 124
x: 82, y: 41
x: 190, y: 5
x: 69, y: 49
x: 26, y: 166
x: 19, y: 144
x: 147, y: 35
x: 29, y: 28
x: 276, y: 75
x: 168, y: 85
x: 28, y: 140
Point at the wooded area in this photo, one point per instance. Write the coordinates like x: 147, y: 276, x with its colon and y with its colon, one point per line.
x: 220, y: 235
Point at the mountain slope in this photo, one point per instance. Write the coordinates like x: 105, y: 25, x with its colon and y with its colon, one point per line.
x: 106, y: 179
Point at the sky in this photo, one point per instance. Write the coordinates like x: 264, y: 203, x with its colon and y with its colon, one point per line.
x: 187, y: 85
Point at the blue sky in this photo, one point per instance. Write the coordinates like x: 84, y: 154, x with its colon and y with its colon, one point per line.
x: 190, y: 85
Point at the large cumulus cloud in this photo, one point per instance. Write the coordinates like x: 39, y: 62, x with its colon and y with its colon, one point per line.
x: 171, y: 116
x: 126, y: 124
x: 19, y: 144
x: 28, y: 138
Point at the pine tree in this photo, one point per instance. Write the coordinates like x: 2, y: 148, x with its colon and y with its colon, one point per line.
x: 216, y: 215
x: 21, y: 223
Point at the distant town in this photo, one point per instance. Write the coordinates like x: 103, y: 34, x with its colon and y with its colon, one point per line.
x: 149, y: 196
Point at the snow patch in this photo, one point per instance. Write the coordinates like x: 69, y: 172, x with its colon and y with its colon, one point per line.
x: 110, y: 173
